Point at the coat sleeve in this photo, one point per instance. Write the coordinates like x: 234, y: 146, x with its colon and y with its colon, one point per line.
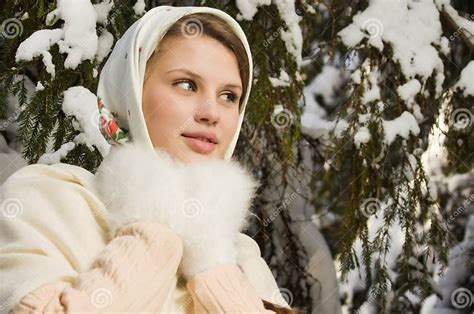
x: 224, y: 289
x: 135, y: 273
x: 54, y: 259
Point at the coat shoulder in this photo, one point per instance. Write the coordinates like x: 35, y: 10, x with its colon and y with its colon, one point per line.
x: 61, y: 192
x: 257, y: 271
x: 59, y: 171
x: 248, y: 246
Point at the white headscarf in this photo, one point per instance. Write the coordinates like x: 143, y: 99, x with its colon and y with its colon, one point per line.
x: 121, y: 79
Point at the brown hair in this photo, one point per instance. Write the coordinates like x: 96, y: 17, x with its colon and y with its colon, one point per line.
x: 214, y: 27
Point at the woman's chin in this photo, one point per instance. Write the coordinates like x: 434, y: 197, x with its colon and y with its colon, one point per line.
x: 193, y: 156
x: 188, y: 155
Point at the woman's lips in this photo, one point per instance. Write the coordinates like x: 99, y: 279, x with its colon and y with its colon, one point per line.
x: 201, y: 146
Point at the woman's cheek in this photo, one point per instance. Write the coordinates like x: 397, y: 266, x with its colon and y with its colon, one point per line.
x: 230, y: 126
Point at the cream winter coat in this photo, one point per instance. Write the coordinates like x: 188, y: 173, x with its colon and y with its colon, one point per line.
x: 54, y: 227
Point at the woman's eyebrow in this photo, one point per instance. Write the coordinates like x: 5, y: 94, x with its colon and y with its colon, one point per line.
x: 192, y: 74
x: 197, y: 76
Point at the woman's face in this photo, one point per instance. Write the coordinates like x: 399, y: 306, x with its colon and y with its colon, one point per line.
x: 193, y: 85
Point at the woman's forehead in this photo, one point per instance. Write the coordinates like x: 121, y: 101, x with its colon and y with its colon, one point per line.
x: 202, y: 58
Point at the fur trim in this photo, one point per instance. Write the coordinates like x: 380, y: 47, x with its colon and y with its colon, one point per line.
x: 206, y: 203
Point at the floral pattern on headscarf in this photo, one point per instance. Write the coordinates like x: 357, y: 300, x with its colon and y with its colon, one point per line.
x: 109, y: 126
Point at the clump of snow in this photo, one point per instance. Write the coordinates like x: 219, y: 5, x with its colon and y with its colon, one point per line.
x: 249, y: 8
x: 317, y: 126
x: 39, y: 86
x: 466, y: 81
x: 102, y: 9
x: 403, y: 126
x: 37, y: 45
x: 82, y: 104
x: 408, y: 90
x: 106, y: 41
x: 283, y: 80
x: 393, y: 22
x: 457, y: 180
x: 327, y: 83
x: 440, y: 3
x: 298, y: 76
x: 139, y: 7
x: 314, y: 121
x: 55, y: 157
x: 77, y: 37
x: 293, y: 37
x: 371, y: 87
x: 417, y: 112
x: 80, y: 39
x: 445, y: 48
x: 356, y: 76
x: 362, y: 136
x: 435, y: 157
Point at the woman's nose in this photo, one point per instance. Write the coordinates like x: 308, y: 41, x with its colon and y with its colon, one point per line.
x: 207, y: 112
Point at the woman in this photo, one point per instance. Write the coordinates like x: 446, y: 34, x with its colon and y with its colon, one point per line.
x: 157, y: 229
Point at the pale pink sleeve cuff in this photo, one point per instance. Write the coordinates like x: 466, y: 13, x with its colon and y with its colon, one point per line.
x: 224, y: 289
x: 134, y: 273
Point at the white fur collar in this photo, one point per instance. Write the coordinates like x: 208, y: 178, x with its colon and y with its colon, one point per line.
x: 136, y: 184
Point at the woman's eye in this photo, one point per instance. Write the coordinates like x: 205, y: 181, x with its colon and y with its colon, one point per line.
x: 231, y: 97
x: 186, y: 84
